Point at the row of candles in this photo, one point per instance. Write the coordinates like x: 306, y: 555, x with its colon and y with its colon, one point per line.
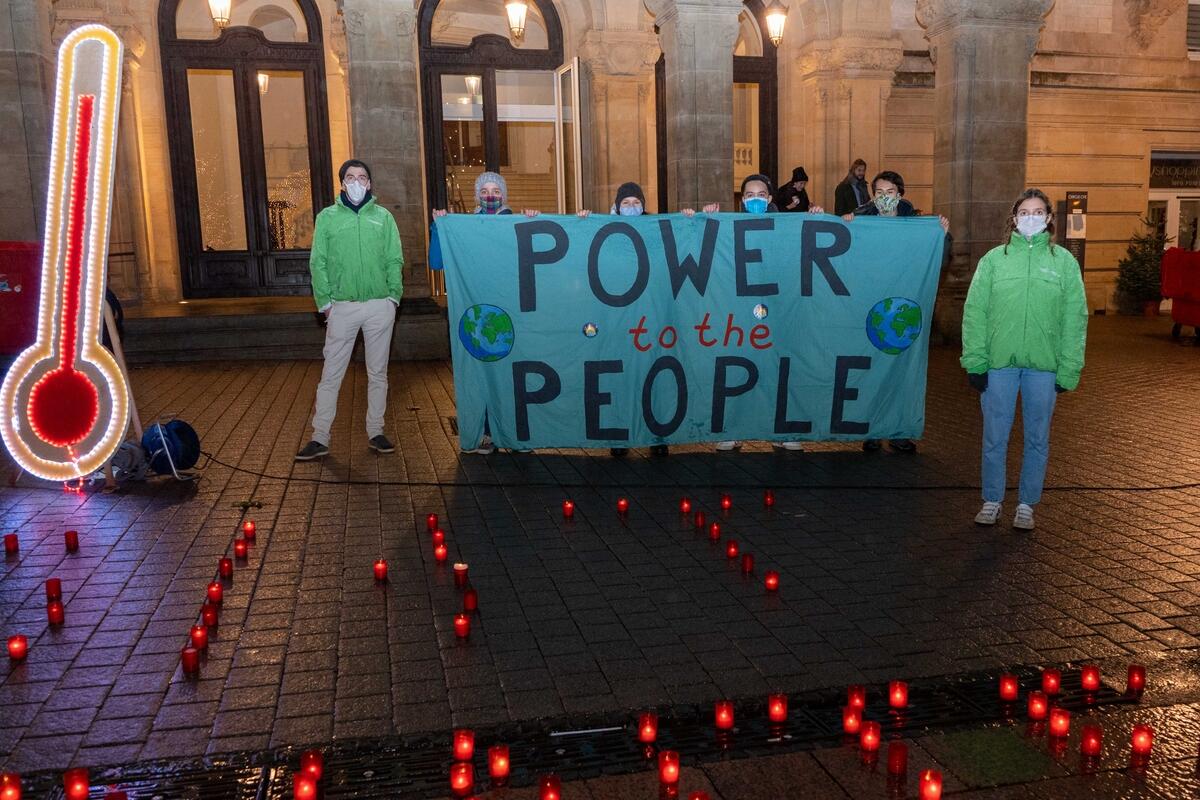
x: 12, y: 542
x: 462, y: 621
x: 214, y: 596
x: 18, y: 644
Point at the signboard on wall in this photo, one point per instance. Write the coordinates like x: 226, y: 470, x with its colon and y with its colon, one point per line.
x: 1175, y: 171
x: 1073, y: 221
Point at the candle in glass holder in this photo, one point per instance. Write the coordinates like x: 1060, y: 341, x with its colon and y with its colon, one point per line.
x: 699, y: 796
x: 1051, y: 681
x: 499, y: 765
x: 380, y: 569
x: 208, y: 614
x: 777, y: 708
x: 714, y: 532
x: 726, y: 502
x: 439, y: 553
x: 1136, y: 682
x: 856, y: 696
x: 189, y: 658
x: 1060, y: 722
x: 568, y: 509
x: 1038, y: 705
x: 225, y: 567
x: 53, y: 589
x: 10, y: 786
x: 216, y: 593
x: 647, y: 724
x: 898, y: 694
x: 462, y: 626
x: 549, y: 788
x: 1008, y: 687
x: 731, y: 548
x: 470, y: 600
x: 699, y: 520
x: 1142, y: 740
x: 1089, y: 678
x: 768, y: 498
x: 723, y: 715
x: 622, y: 506
x: 76, y: 784
x: 18, y: 647
x: 11, y: 544
x: 869, y: 737
x: 249, y: 530
x: 771, y: 580
x: 931, y: 785
x: 685, y: 506
x: 199, y: 637
x: 303, y: 787
x: 240, y: 549
x: 438, y: 537
x: 1091, y: 741
x: 851, y: 720
x: 897, y: 758
x: 55, y: 613
x: 71, y: 539
x: 431, y: 522
x: 460, y: 574
x: 464, y: 744
x: 312, y: 763
x: 668, y: 768
x: 462, y: 779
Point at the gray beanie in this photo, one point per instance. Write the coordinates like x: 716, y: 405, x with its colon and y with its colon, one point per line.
x: 492, y: 177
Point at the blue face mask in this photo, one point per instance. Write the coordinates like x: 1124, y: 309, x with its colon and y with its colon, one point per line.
x: 630, y: 211
x: 755, y: 205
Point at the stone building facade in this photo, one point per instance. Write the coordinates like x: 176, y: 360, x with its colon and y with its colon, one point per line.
x: 970, y: 100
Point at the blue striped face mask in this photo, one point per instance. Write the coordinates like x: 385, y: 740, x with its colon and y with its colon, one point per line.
x: 755, y: 205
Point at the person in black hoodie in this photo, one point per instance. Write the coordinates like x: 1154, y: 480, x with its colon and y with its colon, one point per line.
x: 792, y: 196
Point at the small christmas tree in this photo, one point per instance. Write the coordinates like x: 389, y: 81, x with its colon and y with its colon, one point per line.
x: 1139, y: 275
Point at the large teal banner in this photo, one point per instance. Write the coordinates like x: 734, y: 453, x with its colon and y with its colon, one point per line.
x: 625, y: 331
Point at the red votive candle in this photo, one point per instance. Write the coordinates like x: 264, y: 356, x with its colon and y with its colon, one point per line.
x: 431, y: 522
x: 898, y: 694
x: 380, y: 569
x: 462, y: 626
x: 462, y: 779
x: 439, y: 537
x: 464, y: 744
x: 699, y: 520
x: 1089, y: 677
x: 1051, y: 681
x: 1142, y: 740
x: 53, y: 589
x: 714, y: 532
x: 189, y: 657
x: 240, y: 549
x: 869, y: 737
x: 208, y: 614
x: 303, y: 787
x: 499, y: 765
x: 568, y: 513
x: 10, y: 786
x: 18, y: 647
x: 55, y: 613
x: 1008, y: 687
x: 685, y: 506
x: 225, y: 567
x: 931, y: 785
x: 768, y: 498
x: 549, y: 788
x: 699, y: 796
x: 71, y: 539
x: 777, y: 705
x: 199, y: 637
x: 726, y: 502
x: 856, y: 696
x: 1038, y: 705
x: 216, y: 593
x: 1060, y: 722
x: 897, y: 758
x: 76, y: 783
x: 668, y: 768
x: 1136, y: 682
x: 11, y: 544
x: 460, y: 574
x: 1091, y: 741
x: 647, y: 727
x: 249, y: 530
x: 771, y: 580
x: 731, y: 548
x: 723, y: 715
x: 116, y: 794
x: 851, y: 719
x: 439, y: 553
x: 470, y: 600
x: 312, y: 764
x: 747, y: 563
x: 622, y: 506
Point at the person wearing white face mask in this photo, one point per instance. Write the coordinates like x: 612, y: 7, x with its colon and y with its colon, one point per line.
x: 356, y: 263
x: 1023, y: 332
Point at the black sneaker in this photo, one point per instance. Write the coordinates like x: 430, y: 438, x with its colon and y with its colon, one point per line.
x: 380, y: 444
x: 618, y: 452
x: 312, y: 450
x: 871, y: 445
x: 903, y: 445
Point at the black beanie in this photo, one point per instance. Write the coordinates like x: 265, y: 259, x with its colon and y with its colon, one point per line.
x: 798, y: 174
x: 630, y: 189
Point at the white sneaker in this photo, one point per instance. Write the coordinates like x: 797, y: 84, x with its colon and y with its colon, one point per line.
x: 484, y: 448
x: 988, y: 514
x: 730, y: 445
x: 793, y: 446
x: 1024, y: 518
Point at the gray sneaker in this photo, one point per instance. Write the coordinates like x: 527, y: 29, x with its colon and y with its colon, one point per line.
x: 380, y: 444
x: 313, y: 450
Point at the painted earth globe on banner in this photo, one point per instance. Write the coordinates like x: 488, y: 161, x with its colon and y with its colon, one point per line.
x: 893, y: 324
x: 487, y: 332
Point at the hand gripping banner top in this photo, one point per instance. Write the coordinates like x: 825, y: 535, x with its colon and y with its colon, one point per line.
x: 622, y: 332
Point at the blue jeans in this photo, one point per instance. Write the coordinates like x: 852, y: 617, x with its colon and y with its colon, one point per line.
x: 999, y: 405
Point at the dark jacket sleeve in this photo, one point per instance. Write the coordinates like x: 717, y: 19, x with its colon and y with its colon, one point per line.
x: 844, y: 201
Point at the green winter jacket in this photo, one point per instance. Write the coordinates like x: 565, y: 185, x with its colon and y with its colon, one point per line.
x: 356, y: 257
x: 1026, y: 308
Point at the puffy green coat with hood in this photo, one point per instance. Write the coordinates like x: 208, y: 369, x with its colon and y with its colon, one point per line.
x: 1026, y: 308
x: 356, y: 257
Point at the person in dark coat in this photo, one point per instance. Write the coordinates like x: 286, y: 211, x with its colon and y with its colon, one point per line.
x: 852, y: 192
x: 792, y: 196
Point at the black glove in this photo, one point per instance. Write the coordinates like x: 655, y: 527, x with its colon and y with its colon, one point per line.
x: 978, y: 381
x: 1059, y: 389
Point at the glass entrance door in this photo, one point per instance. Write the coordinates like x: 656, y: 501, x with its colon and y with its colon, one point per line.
x: 1177, y: 216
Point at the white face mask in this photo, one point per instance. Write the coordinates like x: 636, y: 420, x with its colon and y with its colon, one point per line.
x: 356, y: 192
x: 1031, y: 225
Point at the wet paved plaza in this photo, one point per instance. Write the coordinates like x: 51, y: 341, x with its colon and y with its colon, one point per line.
x: 883, y: 576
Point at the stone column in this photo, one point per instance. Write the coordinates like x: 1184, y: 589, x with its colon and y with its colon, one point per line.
x: 26, y: 94
x: 381, y: 45
x: 697, y: 42
x: 982, y: 51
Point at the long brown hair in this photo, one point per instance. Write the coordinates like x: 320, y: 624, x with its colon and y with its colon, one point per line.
x: 1010, y: 224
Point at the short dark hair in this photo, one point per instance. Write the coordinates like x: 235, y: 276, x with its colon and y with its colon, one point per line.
x: 891, y: 177
x: 353, y: 162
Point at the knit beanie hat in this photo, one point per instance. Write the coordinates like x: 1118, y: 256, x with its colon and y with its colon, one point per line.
x: 492, y: 177
x: 630, y: 189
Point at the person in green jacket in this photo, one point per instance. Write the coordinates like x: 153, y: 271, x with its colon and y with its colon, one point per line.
x: 1024, y: 330
x: 355, y: 264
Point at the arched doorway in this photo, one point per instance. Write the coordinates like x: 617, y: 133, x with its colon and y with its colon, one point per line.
x: 755, y: 104
x: 249, y: 136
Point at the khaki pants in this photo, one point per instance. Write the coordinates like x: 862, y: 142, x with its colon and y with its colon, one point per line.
x: 375, y: 318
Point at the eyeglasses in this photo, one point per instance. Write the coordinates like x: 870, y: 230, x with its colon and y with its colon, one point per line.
x: 362, y: 179
x: 1027, y: 213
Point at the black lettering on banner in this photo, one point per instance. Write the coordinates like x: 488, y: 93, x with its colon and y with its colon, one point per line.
x: 594, y: 399
x: 551, y: 387
x: 672, y: 365
x: 643, y: 265
x: 688, y: 269
x: 811, y: 254
x: 782, y: 423
x: 722, y: 391
x: 843, y: 394
x: 528, y: 258
x: 743, y: 257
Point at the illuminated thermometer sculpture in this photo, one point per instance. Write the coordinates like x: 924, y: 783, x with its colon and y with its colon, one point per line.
x: 64, y: 402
